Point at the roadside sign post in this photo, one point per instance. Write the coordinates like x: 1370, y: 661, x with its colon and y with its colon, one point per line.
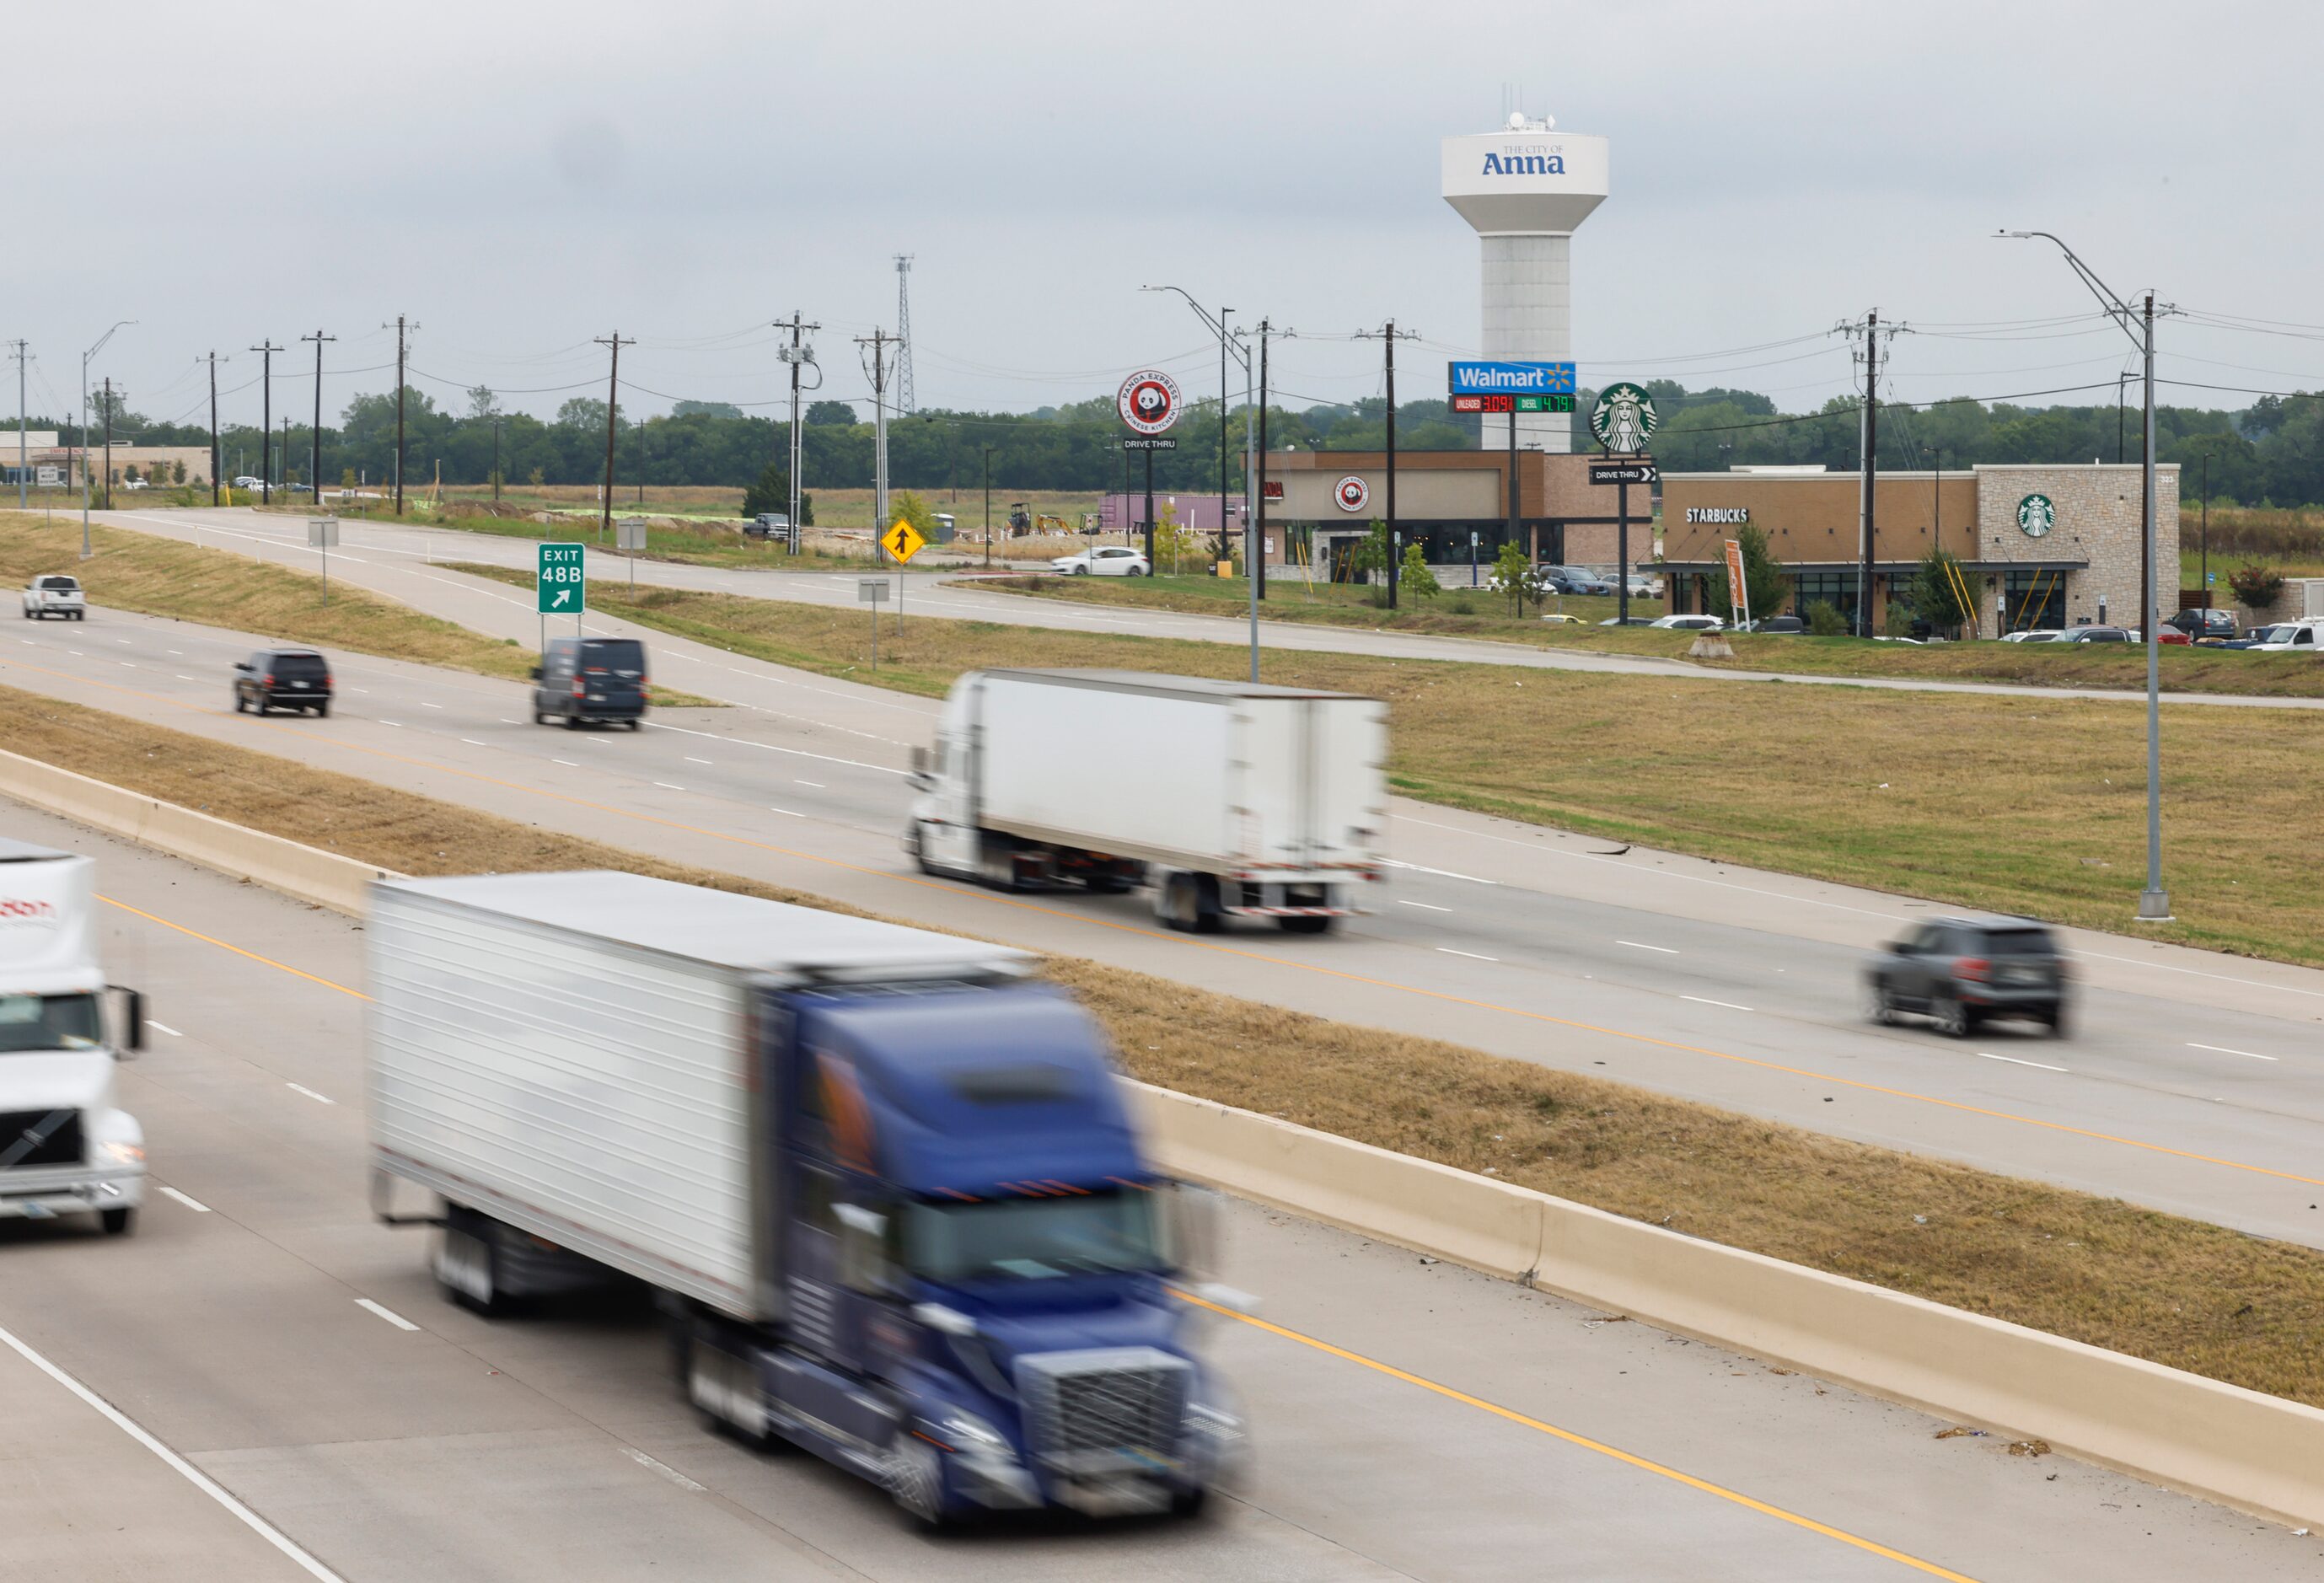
x: 1147, y: 402
x: 630, y: 534
x: 873, y: 592
x: 322, y: 532
x: 1624, y: 420
x: 903, y: 542
x: 1739, y: 591
x: 560, y: 583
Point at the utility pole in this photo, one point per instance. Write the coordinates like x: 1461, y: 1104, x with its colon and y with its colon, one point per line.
x: 1389, y: 334
x: 213, y: 434
x: 612, y: 405
x: 1868, y: 443
x: 1257, y: 556
x: 266, y: 420
x: 108, y: 442
x: 799, y: 354
x: 880, y: 341
x: 1223, y: 552
x: 22, y: 497
x: 988, y: 509
x: 2206, y: 541
x: 401, y: 327
x: 22, y: 455
x: 496, y: 457
x: 314, y: 440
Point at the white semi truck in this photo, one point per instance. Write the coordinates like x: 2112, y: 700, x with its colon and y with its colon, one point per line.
x: 1231, y: 799
x: 66, y: 1147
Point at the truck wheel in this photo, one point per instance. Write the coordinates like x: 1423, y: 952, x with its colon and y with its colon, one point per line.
x: 1952, y: 1018
x: 716, y: 1383
x: 117, y: 1222
x: 916, y: 1478
x: 1188, y: 1504
x: 1306, y: 924
x: 240, y: 704
x: 572, y: 723
x: 1179, y: 909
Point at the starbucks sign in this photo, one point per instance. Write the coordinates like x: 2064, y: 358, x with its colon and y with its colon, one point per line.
x: 1624, y: 419
x: 2036, y: 515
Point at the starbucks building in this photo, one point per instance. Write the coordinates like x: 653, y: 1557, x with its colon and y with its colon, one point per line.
x: 2043, y: 546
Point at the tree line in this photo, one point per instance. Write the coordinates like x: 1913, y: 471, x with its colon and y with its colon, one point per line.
x: 2269, y: 453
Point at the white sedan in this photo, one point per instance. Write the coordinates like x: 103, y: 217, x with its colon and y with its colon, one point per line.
x: 1691, y: 623
x: 1102, y: 560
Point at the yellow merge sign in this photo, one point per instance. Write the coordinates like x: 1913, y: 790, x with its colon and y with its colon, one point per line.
x: 903, y: 540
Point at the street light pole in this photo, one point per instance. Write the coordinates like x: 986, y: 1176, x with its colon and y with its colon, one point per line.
x: 1252, y: 548
x: 2207, y: 533
x: 92, y: 351
x: 2154, y: 901
x: 988, y: 508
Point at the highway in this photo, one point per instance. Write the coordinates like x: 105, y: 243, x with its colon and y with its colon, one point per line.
x: 2193, y: 1083
x: 263, y: 1384
x: 933, y: 593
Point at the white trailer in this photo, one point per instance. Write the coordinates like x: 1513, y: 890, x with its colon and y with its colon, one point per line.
x: 1229, y: 798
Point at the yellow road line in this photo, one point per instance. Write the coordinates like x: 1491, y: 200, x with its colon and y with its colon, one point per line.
x: 948, y: 888
x: 1601, y: 1447
x: 1449, y: 1393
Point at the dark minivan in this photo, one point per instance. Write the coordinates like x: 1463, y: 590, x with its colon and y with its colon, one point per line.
x: 283, y: 678
x: 1961, y: 971
x: 584, y: 679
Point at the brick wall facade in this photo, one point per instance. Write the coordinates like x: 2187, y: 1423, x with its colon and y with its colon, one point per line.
x: 2097, y: 520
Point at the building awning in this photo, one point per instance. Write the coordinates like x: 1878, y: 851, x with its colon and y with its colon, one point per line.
x: 1879, y: 569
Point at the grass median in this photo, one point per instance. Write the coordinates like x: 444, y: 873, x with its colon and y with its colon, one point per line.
x: 219, y: 588
x: 1458, y: 612
x: 2027, y: 804
x: 2178, y: 1292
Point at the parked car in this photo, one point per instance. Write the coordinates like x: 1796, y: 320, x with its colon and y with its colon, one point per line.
x: 1641, y: 621
x: 584, y: 679
x: 135, y: 484
x: 2256, y: 636
x: 296, y: 488
x: 1644, y: 587
x: 283, y: 678
x: 2305, y: 636
x: 2099, y: 635
x: 2032, y: 635
x: 2202, y: 625
x: 1776, y: 624
x: 248, y: 481
x: 1885, y: 638
x: 1962, y: 971
x: 55, y: 596
x: 1102, y: 560
x: 1689, y: 623
x: 1555, y: 620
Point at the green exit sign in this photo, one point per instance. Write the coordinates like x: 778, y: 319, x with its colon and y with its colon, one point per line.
x: 1544, y: 403
x: 559, y: 584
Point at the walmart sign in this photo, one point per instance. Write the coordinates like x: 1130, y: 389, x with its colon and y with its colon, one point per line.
x: 1467, y: 378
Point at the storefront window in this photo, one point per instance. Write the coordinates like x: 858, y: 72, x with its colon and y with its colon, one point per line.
x: 1836, y: 589
x: 2033, y: 601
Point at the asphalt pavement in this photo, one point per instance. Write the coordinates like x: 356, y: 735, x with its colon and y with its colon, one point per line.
x: 943, y: 592
x: 262, y: 1382
x: 2194, y: 1082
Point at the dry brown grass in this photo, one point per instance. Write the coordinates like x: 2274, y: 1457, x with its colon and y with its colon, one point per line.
x: 2178, y: 1292
x: 2017, y: 803
x: 217, y: 588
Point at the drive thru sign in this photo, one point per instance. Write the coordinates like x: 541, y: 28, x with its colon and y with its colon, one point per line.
x: 560, y: 586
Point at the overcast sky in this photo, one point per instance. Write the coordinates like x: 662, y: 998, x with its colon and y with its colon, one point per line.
x: 523, y: 177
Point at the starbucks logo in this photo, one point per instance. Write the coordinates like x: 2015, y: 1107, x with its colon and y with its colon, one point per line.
x: 2036, y: 516
x: 1624, y: 419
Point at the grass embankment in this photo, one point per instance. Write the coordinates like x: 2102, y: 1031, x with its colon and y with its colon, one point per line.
x: 2179, y: 1292
x: 2020, y: 805
x: 217, y: 588
x: 2039, y: 665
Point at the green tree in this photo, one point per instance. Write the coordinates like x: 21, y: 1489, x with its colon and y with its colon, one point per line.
x: 1514, y: 576
x: 1938, y: 585
x: 772, y: 493
x: 908, y: 505
x: 825, y: 414
x: 1417, y: 579
x: 1825, y: 620
x: 482, y: 402
x: 1371, y: 552
x: 1767, y: 586
x: 1174, y: 541
x: 177, y: 473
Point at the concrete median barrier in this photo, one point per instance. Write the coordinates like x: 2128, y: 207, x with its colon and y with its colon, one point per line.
x: 308, y: 873
x: 2257, y: 1452
x: 2260, y: 1454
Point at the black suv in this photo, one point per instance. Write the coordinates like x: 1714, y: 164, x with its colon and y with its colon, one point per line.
x: 283, y: 678
x: 1962, y: 971
x: 582, y: 679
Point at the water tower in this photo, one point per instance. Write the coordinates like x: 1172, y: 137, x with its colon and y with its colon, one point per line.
x: 1525, y: 188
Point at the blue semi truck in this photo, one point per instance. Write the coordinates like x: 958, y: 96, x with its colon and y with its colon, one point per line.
x: 886, y: 1187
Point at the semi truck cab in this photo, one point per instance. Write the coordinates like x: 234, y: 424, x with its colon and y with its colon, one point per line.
x: 66, y: 1145
x: 976, y: 1264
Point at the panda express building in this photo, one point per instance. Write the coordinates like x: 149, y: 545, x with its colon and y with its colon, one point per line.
x: 2043, y: 546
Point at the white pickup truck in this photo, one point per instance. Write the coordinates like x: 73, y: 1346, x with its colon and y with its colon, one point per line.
x: 57, y: 596
x: 66, y: 1147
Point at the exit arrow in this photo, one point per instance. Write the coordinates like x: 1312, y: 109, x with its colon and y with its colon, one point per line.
x: 562, y: 595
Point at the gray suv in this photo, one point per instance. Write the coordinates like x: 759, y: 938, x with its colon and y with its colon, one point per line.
x: 1963, y: 971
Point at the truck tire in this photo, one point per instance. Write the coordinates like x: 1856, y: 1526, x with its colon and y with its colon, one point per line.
x: 117, y: 1222
x: 716, y: 1381
x: 1305, y: 922
x: 572, y: 723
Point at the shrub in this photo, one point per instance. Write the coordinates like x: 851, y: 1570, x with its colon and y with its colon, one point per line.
x: 2258, y: 586
x: 1417, y: 579
x: 1461, y: 605
x: 1825, y: 620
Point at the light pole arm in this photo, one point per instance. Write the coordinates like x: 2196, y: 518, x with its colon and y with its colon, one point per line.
x: 1226, y: 336
x: 2117, y: 308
